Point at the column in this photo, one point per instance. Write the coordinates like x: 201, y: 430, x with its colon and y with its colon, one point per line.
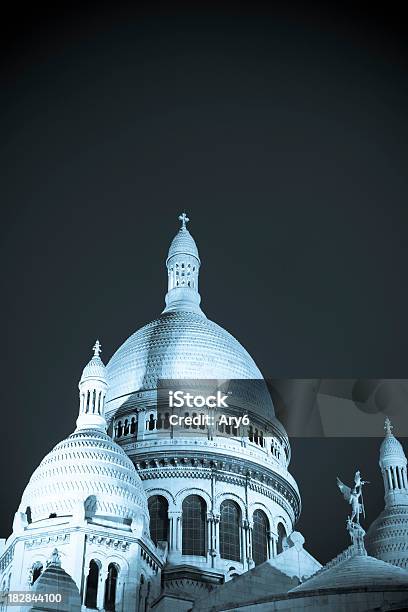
x: 244, y: 544
x: 217, y: 533
x: 271, y: 552
x: 251, y: 562
x: 100, y: 598
x: 175, y: 527
x: 179, y: 530
x: 141, y: 422
x: 213, y: 527
x: 394, y: 477
x: 390, y: 487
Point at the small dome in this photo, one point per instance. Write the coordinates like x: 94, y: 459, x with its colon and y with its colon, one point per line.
x: 391, y: 448
x: 56, y: 580
x: 86, y: 468
x: 94, y: 369
x: 183, y: 244
x: 387, y: 537
x: 356, y: 571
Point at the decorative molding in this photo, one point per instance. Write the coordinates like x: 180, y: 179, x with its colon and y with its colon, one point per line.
x: 61, y: 538
x: 106, y: 541
x: 6, y: 558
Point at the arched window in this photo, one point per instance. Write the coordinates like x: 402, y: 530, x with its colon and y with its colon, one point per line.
x: 159, y: 423
x: 159, y: 520
x: 260, y: 537
x: 110, y: 587
x: 281, y: 536
x: 92, y: 585
x: 229, y: 531
x: 133, y: 425
x: 36, y: 570
x: 194, y: 526
x: 151, y: 423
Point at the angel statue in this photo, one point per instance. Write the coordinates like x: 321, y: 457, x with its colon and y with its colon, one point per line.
x: 353, y: 496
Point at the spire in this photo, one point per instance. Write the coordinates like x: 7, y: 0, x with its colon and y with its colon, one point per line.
x: 393, y: 464
x: 92, y: 392
x: 183, y: 265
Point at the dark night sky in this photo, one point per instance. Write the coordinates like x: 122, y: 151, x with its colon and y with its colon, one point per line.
x: 282, y: 132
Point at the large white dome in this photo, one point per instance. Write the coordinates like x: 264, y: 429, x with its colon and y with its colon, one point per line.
x: 179, y: 345
x: 87, y: 468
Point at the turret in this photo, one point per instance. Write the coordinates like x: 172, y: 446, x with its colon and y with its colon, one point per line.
x: 92, y: 392
x: 393, y: 464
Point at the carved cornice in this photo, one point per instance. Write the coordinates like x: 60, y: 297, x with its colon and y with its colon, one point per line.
x: 46, y: 540
x: 106, y: 541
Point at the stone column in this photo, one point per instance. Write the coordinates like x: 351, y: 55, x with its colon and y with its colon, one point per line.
x: 246, y: 543
x: 175, y: 530
x: 213, y: 545
x: 243, y: 542
x: 100, y: 597
x: 141, y: 418
x: 271, y: 551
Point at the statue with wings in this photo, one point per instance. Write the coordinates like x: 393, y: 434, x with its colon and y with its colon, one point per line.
x: 354, y: 496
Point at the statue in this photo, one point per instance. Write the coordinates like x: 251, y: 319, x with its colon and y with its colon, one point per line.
x: 353, y: 496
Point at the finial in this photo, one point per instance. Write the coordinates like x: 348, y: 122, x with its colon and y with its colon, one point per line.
x: 184, y: 220
x: 388, y: 427
x: 97, y: 349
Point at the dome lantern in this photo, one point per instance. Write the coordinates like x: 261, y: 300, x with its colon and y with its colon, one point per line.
x: 183, y: 265
x: 93, y: 387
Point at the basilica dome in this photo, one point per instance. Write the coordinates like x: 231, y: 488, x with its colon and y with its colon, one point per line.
x: 183, y: 344
x: 87, y: 468
x: 178, y: 345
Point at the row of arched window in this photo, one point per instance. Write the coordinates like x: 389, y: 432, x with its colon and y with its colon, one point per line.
x: 91, y: 592
x: 162, y: 421
x: 256, y: 436
x: 194, y: 528
x: 92, y: 402
x: 181, y: 275
x: 126, y: 427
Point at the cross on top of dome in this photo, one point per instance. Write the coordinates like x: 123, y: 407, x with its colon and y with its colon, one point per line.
x: 388, y: 427
x: 97, y: 348
x: 184, y: 220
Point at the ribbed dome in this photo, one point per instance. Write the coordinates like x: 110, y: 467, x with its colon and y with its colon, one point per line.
x: 94, y: 369
x: 179, y: 345
x: 391, y: 447
x: 183, y: 244
x: 356, y: 571
x: 387, y: 537
x: 87, y: 466
x: 56, y: 580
